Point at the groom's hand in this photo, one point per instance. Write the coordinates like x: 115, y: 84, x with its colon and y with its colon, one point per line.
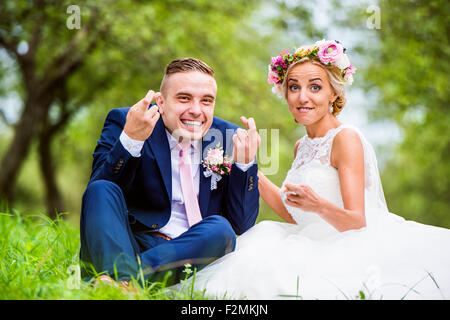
x: 246, y: 142
x: 140, y: 119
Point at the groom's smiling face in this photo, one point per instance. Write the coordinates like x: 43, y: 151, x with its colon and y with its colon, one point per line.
x: 186, y: 103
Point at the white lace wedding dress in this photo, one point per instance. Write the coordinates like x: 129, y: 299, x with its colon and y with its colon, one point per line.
x: 391, y: 258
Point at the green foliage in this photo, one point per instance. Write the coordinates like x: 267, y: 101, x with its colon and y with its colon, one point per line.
x: 410, y: 66
x: 34, y: 256
x: 416, y: 180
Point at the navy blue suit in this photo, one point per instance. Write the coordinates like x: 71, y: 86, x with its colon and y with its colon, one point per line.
x: 128, y: 197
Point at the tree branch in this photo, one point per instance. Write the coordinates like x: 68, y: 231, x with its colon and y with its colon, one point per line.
x: 63, y: 119
x: 37, y: 32
x: 65, y: 64
x: 9, y: 46
x: 5, y: 119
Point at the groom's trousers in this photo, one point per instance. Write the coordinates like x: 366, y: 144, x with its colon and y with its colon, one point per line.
x: 111, y: 243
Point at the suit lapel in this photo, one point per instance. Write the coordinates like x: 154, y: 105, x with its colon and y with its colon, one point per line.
x: 160, y: 147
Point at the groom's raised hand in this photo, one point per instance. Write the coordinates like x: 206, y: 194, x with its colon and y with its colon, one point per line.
x: 140, y: 119
x: 246, y: 142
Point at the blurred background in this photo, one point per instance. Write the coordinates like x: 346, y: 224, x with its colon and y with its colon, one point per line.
x: 65, y: 64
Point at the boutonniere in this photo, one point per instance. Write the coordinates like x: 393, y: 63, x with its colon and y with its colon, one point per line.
x: 216, y: 165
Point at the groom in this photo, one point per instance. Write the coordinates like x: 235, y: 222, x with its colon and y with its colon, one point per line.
x: 149, y: 206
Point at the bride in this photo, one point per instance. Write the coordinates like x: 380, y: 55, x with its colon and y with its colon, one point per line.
x: 339, y: 240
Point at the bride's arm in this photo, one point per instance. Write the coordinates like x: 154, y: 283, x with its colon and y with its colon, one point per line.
x: 347, y: 156
x: 271, y: 195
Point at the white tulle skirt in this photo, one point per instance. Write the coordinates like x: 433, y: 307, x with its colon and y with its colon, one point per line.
x: 392, y: 259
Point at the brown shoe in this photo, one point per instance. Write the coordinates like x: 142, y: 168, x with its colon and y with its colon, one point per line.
x: 104, y: 279
x: 125, y: 286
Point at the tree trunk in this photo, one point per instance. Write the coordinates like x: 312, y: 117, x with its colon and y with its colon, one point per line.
x: 33, y: 114
x: 40, y: 93
x: 53, y: 196
x: 54, y: 199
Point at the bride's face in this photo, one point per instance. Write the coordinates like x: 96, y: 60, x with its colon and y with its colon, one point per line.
x: 309, y: 93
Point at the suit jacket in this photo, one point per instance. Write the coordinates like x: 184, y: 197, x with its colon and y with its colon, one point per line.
x: 146, y: 181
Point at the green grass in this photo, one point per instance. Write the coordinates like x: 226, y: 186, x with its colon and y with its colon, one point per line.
x: 39, y: 260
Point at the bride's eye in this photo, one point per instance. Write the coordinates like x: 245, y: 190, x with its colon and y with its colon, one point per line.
x: 315, y: 87
x: 293, y: 87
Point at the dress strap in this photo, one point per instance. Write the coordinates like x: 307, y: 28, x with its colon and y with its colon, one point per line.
x: 333, y: 132
x: 316, y: 149
x: 328, y: 144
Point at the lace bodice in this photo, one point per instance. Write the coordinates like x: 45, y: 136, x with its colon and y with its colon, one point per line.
x: 315, y: 149
x: 312, y: 167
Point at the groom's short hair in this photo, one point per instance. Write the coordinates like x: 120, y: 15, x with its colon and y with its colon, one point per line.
x: 186, y: 65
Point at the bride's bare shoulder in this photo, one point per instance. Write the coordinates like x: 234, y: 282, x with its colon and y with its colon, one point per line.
x: 347, y: 148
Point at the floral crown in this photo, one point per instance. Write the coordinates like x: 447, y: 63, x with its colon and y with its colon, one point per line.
x: 328, y: 52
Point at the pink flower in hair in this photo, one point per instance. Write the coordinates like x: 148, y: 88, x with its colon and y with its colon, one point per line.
x: 326, y: 51
x: 350, y: 70
x: 348, y: 74
x: 272, y: 78
x: 329, y: 51
x: 278, y: 60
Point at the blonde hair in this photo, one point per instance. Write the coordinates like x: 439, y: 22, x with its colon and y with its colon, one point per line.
x: 334, y: 77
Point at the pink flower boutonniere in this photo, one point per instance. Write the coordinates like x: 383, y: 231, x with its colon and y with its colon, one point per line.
x: 216, y: 165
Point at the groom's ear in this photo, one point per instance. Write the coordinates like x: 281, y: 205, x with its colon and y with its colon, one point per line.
x: 159, y: 101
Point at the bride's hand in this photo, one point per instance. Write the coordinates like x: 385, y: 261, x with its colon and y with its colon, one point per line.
x: 303, y: 197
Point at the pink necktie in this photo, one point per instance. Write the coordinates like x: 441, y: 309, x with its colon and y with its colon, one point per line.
x: 187, y: 185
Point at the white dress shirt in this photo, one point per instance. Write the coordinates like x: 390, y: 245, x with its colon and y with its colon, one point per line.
x: 178, y: 222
